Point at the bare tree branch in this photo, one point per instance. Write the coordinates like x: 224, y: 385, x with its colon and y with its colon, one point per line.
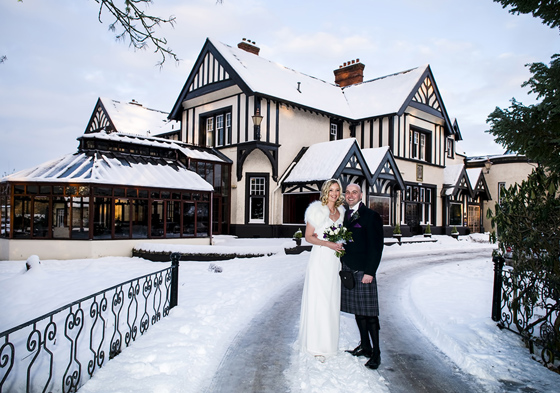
x: 129, y: 16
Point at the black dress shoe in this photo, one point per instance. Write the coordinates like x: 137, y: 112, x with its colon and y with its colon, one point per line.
x: 374, y: 363
x: 359, y: 351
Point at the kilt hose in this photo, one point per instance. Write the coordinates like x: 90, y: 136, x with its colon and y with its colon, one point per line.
x: 362, y: 299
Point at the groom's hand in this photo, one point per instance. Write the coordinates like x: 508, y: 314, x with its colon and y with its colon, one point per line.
x: 367, y: 279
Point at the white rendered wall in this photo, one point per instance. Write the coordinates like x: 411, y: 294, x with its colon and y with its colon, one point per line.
x: 21, y: 249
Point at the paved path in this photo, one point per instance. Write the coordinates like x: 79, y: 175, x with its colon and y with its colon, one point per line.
x: 257, y: 358
x: 410, y: 362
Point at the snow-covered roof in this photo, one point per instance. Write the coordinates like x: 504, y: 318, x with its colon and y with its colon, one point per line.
x: 497, y: 157
x: 269, y: 78
x: 382, y: 95
x: 451, y: 174
x: 108, y: 168
x: 371, y: 98
x: 320, y: 161
x: 374, y: 156
x: 187, y: 150
x: 133, y: 118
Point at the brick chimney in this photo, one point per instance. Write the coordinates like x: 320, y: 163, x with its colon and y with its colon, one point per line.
x: 249, y: 46
x: 349, y: 73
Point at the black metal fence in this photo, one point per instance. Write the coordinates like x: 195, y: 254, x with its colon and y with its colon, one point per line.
x: 527, y: 305
x: 60, y: 351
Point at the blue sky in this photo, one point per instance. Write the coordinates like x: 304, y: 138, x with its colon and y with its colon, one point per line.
x: 60, y: 59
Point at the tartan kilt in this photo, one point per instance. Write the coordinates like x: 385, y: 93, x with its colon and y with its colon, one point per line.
x: 362, y: 299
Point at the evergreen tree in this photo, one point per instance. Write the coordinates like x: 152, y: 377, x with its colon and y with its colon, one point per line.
x: 528, y: 215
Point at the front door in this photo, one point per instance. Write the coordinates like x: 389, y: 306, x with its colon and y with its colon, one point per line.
x: 412, y: 218
x: 473, y: 218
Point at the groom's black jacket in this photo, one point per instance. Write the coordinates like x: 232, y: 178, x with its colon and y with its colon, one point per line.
x: 364, y: 252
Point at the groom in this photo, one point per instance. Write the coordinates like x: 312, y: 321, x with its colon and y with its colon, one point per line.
x: 362, y: 257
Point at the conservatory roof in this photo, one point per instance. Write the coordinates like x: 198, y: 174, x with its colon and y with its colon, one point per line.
x: 188, y: 150
x: 113, y: 168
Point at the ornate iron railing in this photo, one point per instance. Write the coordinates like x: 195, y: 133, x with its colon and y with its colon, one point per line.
x: 528, y: 305
x: 60, y: 351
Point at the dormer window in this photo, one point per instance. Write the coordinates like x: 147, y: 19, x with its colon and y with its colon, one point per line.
x: 450, y: 148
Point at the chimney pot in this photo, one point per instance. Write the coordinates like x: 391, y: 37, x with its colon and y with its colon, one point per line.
x: 249, y: 46
x: 351, y: 73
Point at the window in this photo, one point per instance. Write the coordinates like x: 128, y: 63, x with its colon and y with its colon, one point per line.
x: 295, y: 205
x: 256, y: 200
x: 40, y: 216
x: 228, y: 128
x: 210, y: 131
x: 156, y: 229
x: 116, y: 213
x: 22, y: 216
x: 80, y: 215
x: 202, y: 219
x: 215, y: 129
x: 61, y: 217
x: 418, y: 205
x: 419, y: 145
x: 173, y: 219
x: 501, y: 188
x: 381, y: 205
x: 4, y: 215
x: 456, y: 214
x: 335, y: 130
x: 450, y: 148
x: 102, y: 218
x: 122, y: 218
x: 220, y: 130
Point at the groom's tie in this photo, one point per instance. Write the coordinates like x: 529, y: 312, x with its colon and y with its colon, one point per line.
x: 349, y: 214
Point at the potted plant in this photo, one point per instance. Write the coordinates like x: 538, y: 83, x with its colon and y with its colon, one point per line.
x: 427, y: 231
x: 297, y: 237
x: 455, y: 233
x: 397, y: 232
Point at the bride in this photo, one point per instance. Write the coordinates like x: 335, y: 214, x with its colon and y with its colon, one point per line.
x: 320, y: 304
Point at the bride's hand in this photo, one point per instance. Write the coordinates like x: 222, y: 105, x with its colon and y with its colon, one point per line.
x: 335, y: 246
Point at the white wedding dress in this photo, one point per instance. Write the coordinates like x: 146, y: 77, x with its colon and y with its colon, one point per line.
x: 320, y: 303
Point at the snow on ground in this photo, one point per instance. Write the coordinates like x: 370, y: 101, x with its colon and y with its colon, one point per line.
x: 450, y: 304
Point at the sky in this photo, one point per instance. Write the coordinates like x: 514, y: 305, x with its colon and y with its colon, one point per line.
x: 450, y: 304
x: 60, y: 59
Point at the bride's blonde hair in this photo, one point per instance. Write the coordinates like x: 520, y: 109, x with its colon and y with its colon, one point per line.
x: 325, y: 192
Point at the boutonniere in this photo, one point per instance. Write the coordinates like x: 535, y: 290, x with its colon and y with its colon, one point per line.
x: 355, y: 216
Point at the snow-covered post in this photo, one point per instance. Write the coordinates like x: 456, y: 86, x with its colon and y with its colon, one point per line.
x: 497, y: 296
x: 174, y: 300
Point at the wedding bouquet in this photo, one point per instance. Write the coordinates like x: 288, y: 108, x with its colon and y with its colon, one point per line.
x: 338, y: 234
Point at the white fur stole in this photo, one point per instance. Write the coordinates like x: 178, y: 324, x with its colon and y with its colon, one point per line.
x: 318, y: 215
